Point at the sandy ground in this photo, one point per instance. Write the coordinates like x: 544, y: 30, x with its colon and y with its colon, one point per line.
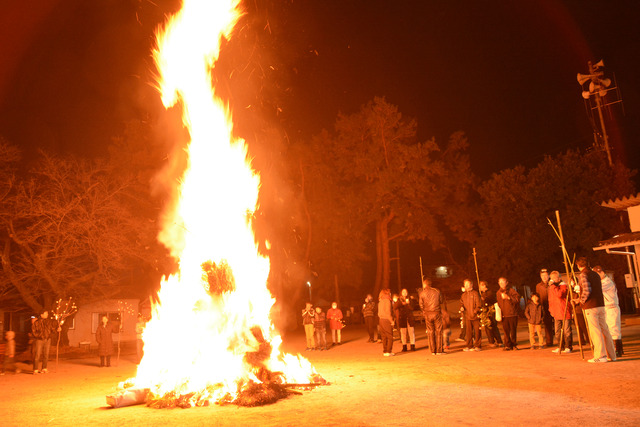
x: 493, y: 386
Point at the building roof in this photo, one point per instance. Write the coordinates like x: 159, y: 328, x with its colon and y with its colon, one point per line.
x: 623, y: 203
x: 619, y: 241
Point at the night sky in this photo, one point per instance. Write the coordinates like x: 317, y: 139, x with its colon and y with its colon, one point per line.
x: 504, y: 72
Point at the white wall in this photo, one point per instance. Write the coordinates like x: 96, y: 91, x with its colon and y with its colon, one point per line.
x: 86, y: 318
x: 634, y: 218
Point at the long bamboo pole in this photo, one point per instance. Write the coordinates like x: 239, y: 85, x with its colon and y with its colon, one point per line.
x: 565, y: 257
x: 475, y: 261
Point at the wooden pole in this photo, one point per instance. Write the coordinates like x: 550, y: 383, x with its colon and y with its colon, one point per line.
x: 565, y: 257
x: 475, y: 261
x: 398, y: 266
x: 421, y: 272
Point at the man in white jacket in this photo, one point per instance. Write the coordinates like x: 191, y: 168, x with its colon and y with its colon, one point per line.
x: 612, y: 307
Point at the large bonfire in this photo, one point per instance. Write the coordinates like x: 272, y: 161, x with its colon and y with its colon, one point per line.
x: 210, y: 339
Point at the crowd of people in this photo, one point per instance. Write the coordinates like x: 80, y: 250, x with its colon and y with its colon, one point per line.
x: 590, y: 302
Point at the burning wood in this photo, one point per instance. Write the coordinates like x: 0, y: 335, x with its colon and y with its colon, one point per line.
x: 252, y: 394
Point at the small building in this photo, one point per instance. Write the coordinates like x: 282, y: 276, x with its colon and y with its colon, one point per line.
x: 123, y: 312
x: 627, y: 244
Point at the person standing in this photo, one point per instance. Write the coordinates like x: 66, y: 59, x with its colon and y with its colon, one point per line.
x: 561, y: 313
x: 308, y: 316
x: 471, y: 305
x: 612, y: 308
x: 463, y: 331
x: 105, y: 341
x: 334, y: 314
x: 508, y: 301
x: 488, y: 298
x: 320, y: 329
x: 368, y: 312
x: 42, y: 330
x: 534, y: 312
x: 431, y: 306
x: 542, y: 289
x: 592, y: 300
x: 446, y: 328
x: 406, y: 321
x: 385, y: 314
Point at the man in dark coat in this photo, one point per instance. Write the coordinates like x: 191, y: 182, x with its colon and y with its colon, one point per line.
x: 542, y: 289
x: 431, y: 306
x: 592, y: 300
x: 42, y: 330
x: 105, y: 341
x: 509, y: 301
x: 471, y: 305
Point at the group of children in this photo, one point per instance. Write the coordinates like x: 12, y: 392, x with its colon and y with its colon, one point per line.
x: 315, y: 326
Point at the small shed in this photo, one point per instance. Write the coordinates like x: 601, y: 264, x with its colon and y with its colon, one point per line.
x: 627, y: 244
x: 82, y: 329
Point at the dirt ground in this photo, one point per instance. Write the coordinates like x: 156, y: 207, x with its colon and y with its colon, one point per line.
x: 493, y: 386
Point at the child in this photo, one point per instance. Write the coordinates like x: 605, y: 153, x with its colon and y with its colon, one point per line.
x: 320, y: 327
x: 9, y: 363
x: 308, y: 316
x: 534, y: 312
x: 446, y: 328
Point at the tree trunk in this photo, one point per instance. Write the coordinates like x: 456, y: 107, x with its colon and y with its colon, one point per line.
x: 378, y: 283
x: 382, y: 251
x: 305, y: 205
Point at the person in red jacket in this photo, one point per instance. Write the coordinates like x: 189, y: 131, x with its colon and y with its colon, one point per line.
x: 508, y: 301
x: 334, y: 314
x: 561, y: 311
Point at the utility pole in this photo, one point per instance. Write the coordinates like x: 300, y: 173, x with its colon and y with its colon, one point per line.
x: 598, y: 88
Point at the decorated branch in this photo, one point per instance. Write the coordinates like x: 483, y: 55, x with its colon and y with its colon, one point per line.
x: 123, y: 307
x: 62, y: 311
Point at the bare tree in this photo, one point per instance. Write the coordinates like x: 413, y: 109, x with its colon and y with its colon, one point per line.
x: 71, y: 229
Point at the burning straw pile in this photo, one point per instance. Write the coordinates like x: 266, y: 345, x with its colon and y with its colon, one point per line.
x: 264, y: 386
x: 270, y: 389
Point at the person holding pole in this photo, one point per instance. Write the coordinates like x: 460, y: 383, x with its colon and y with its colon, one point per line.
x: 489, y: 299
x: 561, y: 312
x: 592, y: 301
x: 43, y: 329
x: 542, y: 289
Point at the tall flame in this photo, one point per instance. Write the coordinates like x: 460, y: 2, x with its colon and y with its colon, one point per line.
x: 197, y: 341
